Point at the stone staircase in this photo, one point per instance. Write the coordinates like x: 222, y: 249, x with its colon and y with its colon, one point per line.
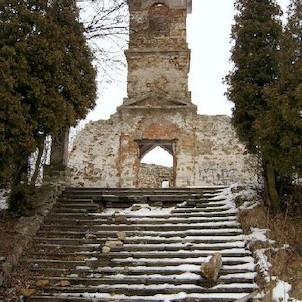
x: 156, y: 241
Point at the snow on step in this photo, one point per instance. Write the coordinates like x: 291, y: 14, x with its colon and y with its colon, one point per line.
x: 160, y: 257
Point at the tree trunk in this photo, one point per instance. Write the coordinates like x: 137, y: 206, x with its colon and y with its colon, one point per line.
x: 20, y: 174
x: 37, y: 164
x: 37, y: 167
x: 272, y: 191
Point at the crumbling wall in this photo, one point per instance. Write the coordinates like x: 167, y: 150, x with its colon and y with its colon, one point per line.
x: 153, y: 176
x: 206, y: 151
x: 156, y: 124
x: 221, y: 159
x: 93, y: 161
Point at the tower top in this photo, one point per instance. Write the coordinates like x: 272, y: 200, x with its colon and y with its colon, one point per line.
x: 172, y: 4
x: 158, y: 56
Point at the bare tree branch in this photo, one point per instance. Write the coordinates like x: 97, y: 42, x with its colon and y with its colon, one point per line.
x: 107, y: 30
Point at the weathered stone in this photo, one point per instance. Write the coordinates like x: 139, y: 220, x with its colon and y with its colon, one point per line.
x: 136, y: 207
x: 7, y: 267
x: 42, y: 283
x: 27, y: 292
x: 59, y: 150
x: 92, y: 262
x: 119, y: 218
x: 191, y: 203
x: 64, y: 283
x: 121, y: 236
x: 114, y: 244
x: 158, y: 204
x: 106, y: 249
x: 158, y: 111
x: 211, y: 267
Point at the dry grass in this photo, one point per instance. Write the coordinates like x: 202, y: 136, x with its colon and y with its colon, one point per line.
x: 283, y: 229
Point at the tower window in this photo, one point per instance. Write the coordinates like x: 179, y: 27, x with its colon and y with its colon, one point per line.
x: 159, y: 19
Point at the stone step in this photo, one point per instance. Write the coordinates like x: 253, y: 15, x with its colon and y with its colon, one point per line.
x: 151, y: 290
x: 92, y: 207
x: 87, y: 271
x: 151, y: 255
x: 138, y: 227
x: 161, y: 254
x: 144, y: 262
x: 216, y: 297
x: 95, y: 219
x: 141, y: 191
x: 138, y: 221
x: 217, y: 211
x: 134, y: 198
x: 146, y: 247
x: 200, y: 204
x: 113, y: 234
x: 85, y: 215
x: 186, y: 278
x: 144, y: 240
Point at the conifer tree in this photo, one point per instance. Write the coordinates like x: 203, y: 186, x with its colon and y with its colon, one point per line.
x: 280, y: 131
x: 256, y: 34
x: 47, y: 81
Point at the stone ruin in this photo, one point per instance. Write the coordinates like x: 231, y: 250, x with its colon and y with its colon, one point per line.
x: 158, y: 112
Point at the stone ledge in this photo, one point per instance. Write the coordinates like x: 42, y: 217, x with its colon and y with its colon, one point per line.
x: 27, y: 227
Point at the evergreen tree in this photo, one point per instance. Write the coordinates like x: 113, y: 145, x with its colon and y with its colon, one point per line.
x: 256, y: 34
x: 280, y: 131
x: 47, y: 81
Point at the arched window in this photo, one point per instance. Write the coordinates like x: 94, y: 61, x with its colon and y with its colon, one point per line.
x: 158, y: 156
x: 159, y: 19
x: 157, y: 163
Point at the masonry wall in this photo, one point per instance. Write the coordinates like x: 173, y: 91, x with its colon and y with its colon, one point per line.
x: 220, y: 158
x: 153, y: 176
x: 207, y: 151
x: 93, y: 161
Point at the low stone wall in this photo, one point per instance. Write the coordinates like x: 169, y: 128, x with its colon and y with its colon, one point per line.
x: 153, y: 176
x: 28, y: 226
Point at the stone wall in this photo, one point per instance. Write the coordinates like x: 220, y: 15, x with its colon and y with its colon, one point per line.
x: 153, y: 176
x: 206, y: 150
x: 94, y: 160
x: 220, y: 158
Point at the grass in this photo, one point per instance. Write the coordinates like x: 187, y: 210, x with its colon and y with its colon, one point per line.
x: 285, y: 254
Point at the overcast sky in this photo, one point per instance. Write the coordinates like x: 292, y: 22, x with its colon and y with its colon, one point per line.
x: 209, y: 28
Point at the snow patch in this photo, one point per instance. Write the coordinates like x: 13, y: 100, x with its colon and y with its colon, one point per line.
x: 145, y: 210
x: 250, y: 200
x: 258, y: 235
x: 280, y: 292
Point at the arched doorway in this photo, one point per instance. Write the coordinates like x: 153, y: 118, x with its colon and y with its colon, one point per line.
x: 157, y: 163
x: 158, y: 156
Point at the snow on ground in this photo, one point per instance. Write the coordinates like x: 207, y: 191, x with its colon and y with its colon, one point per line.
x: 3, y: 197
x: 251, y: 200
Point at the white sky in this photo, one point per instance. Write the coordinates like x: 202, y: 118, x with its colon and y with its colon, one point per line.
x: 208, y: 29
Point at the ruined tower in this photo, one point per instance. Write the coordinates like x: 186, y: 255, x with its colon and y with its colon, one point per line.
x: 158, y: 112
x: 158, y: 56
